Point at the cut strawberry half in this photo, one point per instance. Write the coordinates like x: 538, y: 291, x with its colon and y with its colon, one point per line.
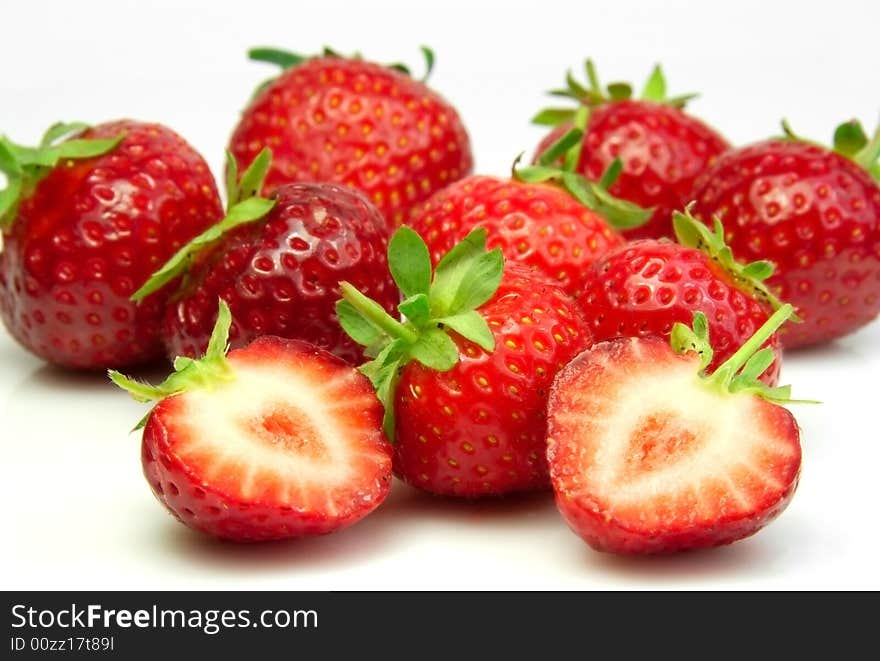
x: 649, y: 455
x: 279, y: 439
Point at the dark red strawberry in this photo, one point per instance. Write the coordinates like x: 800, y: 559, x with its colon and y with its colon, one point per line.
x: 349, y: 121
x: 545, y: 218
x: 814, y: 213
x: 663, y: 149
x: 643, y: 288
x: 277, y: 263
x: 648, y: 454
x: 465, y: 378
x: 85, y: 222
x: 277, y: 440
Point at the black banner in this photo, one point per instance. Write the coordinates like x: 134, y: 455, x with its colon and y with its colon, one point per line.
x: 411, y: 625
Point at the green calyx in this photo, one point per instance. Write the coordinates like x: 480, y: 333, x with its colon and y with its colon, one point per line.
x: 287, y: 60
x: 592, y: 93
x: 24, y: 167
x: 620, y: 214
x: 205, y: 373
x: 740, y: 373
x: 851, y: 141
x: 750, y: 277
x: 434, y: 304
x: 244, y: 206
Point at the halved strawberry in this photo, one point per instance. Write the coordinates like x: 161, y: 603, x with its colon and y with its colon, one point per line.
x: 649, y: 455
x: 279, y: 439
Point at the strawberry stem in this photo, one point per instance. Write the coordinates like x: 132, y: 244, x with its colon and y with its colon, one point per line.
x: 730, y: 367
x: 376, y: 315
x: 207, y: 372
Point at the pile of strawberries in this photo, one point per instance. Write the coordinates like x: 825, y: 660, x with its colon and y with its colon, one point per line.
x: 608, y: 320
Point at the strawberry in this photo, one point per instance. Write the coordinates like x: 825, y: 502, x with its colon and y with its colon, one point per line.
x: 465, y: 378
x: 644, y: 287
x: 277, y: 263
x: 276, y: 440
x: 663, y: 149
x: 649, y: 454
x: 349, y: 121
x: 813, y: 212
x: 85, y: 221
x: 546, y: 218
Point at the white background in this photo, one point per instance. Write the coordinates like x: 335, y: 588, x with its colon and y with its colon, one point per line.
x: 78, y: 513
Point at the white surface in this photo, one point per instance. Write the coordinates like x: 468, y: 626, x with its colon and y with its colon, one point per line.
x: 78, y: 511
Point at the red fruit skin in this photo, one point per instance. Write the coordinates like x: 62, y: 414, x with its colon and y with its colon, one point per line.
x: 589, y: 517
x: 816, y: 215
x: 211, y: 505
x: 280, y: 275
x: 642, y: 288
x: 537, y: 225
x: 356, y: 123
x: 92, y: 232
x: 479, y: 429
x: 663, y: 151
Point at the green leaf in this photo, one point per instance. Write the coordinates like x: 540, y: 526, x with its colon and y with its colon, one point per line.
x: 282, y: 58
x: 611, y: 174
x: 376, y: 314
x: 757, y: 365
x: 436, y: 350
x: 218, y: 344
x: 429, y: 62
x: 849, y: 138
x: 8, y: 199
x: 684, y: 339
x: 9, y: 164
x: 553, y: 116
x: 536, y: 174
x: 409, y: 262
x: 232, y: 194
x: 592, y: 76
x: 60, y: 130
x: 619, y: 91
x: 556, y: 151
x: 574, y: 87
x: 681, y: 100
x: 479, y: 283
x: 358, y: 328
x: 655, y: 87
x: 759, y: 270
x: 621, y: 214
x: 244, y: 212
x: 472, y: 326
x: 416, y: 309
x: 84, y: 148
x: 251, y: 182
x: 452, y: 268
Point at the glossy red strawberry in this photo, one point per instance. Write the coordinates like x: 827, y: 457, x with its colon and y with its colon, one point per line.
x: 663, y: 149
x: 815, y: 214
x: 279, y: 271
x: 81, y: 234
x: 277, y: 440
x: 354, y: 122
x: 643, y: 288
x: 649, y: 455
x: 465, y: 378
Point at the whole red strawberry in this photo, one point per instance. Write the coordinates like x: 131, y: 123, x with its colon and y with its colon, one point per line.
x: 814, y: 213
x: 85, y: 222
x: 349, y: 121
x: 650, y: 454
x: 279, y: 439
x: 663, y: 149
x: 546, y: 218
x: 465, y: 378
x: 644, y: 287
x: 277, y: 263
